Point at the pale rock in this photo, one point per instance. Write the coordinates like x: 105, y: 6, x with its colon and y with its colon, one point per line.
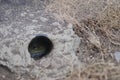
x: 117, y: 56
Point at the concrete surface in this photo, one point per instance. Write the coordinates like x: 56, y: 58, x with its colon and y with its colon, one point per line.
x: 20, y: 22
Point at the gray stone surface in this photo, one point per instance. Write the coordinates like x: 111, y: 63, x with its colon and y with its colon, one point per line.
x: 18, y: 26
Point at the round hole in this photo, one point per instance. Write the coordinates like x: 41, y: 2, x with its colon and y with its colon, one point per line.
x: 39, y: 47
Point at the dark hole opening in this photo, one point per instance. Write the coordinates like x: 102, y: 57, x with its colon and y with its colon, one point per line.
x: 40, y: 46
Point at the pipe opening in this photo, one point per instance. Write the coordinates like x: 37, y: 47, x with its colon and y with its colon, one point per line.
x: 39, y: 47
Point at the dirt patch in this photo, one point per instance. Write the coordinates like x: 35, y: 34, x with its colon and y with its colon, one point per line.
x: 6, y: 74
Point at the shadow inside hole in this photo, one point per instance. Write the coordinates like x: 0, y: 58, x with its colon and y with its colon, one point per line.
x: 39, y: 47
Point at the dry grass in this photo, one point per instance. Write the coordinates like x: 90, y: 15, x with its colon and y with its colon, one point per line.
x: 97, y: 71
x: 97, y: 22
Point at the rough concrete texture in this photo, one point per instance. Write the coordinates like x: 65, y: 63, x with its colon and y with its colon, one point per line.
x: 19, y: 24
